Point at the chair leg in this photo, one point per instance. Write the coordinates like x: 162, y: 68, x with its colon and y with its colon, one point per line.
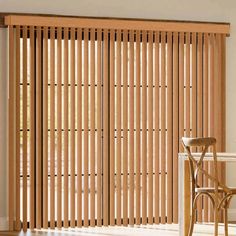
x: 192, y: 220
x: 226, y: 220
x: 216, y: 213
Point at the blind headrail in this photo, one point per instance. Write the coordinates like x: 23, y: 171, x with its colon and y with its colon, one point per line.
x: 118, y: 24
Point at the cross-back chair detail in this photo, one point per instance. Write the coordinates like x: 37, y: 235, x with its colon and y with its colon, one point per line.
x: 196, y: 167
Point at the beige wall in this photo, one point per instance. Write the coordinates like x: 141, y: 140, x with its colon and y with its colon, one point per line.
x: 201, y: 10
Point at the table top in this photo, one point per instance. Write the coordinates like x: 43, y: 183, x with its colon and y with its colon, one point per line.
x: 221, y: 156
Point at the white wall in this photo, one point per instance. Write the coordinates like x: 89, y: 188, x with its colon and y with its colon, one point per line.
x: 201, y: 10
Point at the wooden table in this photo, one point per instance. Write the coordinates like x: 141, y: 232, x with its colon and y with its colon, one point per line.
x: 184, y: 185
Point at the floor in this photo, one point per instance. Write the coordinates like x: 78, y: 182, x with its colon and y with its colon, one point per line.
x: 150, y: 230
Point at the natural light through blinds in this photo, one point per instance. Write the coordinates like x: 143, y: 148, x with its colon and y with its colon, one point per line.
x: 96, y: 111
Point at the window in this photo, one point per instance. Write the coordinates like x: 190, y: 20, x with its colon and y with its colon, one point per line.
x: 102, y: 110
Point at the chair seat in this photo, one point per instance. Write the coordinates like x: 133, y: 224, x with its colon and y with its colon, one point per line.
x: 212, y: 189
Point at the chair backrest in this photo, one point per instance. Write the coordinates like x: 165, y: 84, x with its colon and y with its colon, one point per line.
x: 196, y: 165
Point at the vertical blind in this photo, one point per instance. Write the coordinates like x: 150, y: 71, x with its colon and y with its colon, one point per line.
x: 97, y: 108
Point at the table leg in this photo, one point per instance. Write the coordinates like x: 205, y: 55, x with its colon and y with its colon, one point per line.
x: 187, y: 198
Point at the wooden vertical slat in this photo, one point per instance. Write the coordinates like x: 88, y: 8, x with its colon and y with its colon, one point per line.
x: 11, y: 128
x: 59, y: 128
x: 32, y: 128
x: 144, y: 127
x: 99, y: 130
x: 86, y: 127
x: 38, y: 144
x: 217, y: 93
x: 169, y: 130
x: 223, y: 99
x: 25, y: 138
x: 205, y: 115
x: 187, y: 89
x: 163, y: 128
x: 156, y: 134
x: 212, y: 108
x: 217, y: 109
x: 105, y: 128
x: 194, y: 86
x: 131, y: 128
x: 65, y: 161
x: 72, y: 127
x: 92, y: 132
x: 175, y: 126
x: 137, y: 143
x: 79, y: 127
x: 17, y: 199
x: 52, y: 127
x: 118, y: 150
x: 125, y: 128
x: 199, y: 111
x: 181, y: 88
x: 45, y: 127
x: 112, y: 129
x: 187, y: 86
x: 223, y: 103
x: 150, y: 127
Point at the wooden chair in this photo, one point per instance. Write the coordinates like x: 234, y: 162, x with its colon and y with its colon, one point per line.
x: 220, y: 195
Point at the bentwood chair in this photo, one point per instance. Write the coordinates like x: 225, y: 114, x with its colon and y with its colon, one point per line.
x: 220, y: 195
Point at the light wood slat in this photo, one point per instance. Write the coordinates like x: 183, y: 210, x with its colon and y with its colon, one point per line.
x: 223, y: 102
x: 72, y: 127
x: 66, y: 110
x: 163, y: 127
x: 59, y: 127
x: 137, y: 142
x: 32, y: 128
x: 199, y: 111
x: 126, y: 24
x: 79, y: 127
x: 17, y: 199
x: 38, y: 144
x: 187, y: 71
x: 156, y: 133
x: 52, y: 128
x: 11, y: 128
x: 99, y: 130
x: 92, y: 132
x: 131, y: 128
x: 175, y: 126
x: 181, y: 89
x: 45, y: 128
x: 144, y: 127
x: 217, y: 92
x: 150, y: 127
x: 86, y: 127
x: 125, y: 128
x: 112, y: 129
x: 205, y: 115
x: 217, y: 98
x: 25, y: 142
x: 118, y: 114
x: 169, y: 130
x: 211, y: 110
x: 194, y: 86
x: 105, y: 128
